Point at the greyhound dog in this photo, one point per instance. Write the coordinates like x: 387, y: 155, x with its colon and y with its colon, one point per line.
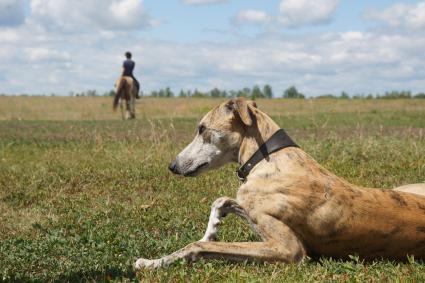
x: 297, y: 207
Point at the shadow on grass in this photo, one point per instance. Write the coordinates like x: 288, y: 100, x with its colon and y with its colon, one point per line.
x: 105, y: 275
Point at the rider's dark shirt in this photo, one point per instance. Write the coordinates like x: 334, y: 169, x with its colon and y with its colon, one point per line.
x: 128, y: 66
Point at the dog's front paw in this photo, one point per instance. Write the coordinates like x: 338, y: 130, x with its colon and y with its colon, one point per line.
x: 208, y: 238
x: 147, y: 263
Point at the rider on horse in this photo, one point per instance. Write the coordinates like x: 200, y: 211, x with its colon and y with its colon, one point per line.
x: 127, y: 88
x: 127, y: 71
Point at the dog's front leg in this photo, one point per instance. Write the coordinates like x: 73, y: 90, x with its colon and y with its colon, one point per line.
x: 280, y: 245
x: 219, y: 209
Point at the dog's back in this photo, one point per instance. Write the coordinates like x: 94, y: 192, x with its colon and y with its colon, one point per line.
x: 331, y: 216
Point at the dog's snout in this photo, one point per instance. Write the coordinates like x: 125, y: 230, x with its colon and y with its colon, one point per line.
x: 173, y: 167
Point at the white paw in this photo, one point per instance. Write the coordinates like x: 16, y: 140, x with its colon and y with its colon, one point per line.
x: 146, y: 263
x: 204, y: 239
x: 208, y: 238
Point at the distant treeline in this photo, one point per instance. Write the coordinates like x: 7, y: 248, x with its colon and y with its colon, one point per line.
x: 255, y: 92
x: 261, y: 92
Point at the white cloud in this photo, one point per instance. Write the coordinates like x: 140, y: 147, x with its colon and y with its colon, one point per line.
x: 252, y: 16
x: 296, y: 13
x: 8, y: 35
x: 11, y: 12
x: 34, y: 54
x: 4, y: 54
x: 203, y: 2
x: 353, y: 61
x: 401, y: 15
x: 58, y: 62
x: 81, y: 16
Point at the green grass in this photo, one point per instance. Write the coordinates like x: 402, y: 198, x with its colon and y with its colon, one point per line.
x: 81, y: 200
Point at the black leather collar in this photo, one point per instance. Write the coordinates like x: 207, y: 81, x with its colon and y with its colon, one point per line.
x: 277, y: 141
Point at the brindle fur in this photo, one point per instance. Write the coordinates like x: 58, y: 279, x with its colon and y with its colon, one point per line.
x: 298, y: 207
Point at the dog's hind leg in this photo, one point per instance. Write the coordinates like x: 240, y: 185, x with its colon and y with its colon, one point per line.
x: 219, y: 209
x: 280, y: 245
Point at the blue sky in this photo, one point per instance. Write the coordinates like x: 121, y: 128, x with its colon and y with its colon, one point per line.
x: 320, y: 46
x: 183, y: 23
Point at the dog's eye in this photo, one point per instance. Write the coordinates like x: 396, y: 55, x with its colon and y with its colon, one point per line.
x: 201, y: 129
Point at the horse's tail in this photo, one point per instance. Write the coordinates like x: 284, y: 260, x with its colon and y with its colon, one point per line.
x: 116, y: 102
x: 119, y: 88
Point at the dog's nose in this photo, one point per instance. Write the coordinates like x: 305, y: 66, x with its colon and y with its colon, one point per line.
x: 173, y: 167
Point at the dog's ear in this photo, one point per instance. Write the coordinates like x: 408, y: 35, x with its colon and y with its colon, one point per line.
x: 243, y: 109
x: 252, y: 104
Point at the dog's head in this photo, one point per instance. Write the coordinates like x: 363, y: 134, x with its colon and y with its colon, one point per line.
x: 219, y: 136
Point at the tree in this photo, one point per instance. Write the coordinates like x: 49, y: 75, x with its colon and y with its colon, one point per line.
x: 397, y: 94
x: 109, y: 93
x: 197, y: 93
x: 267, y: 91
x: 292, y: 92
x: 168, y: 92
x: 242, y: 93
x: 215, y: 92
x: 161, y: 93
x: 182, y: 93
x: 247, y: 91
x: 326, y: 96
x: 256, y: 92
x: 344, y: 95
x: 91, y: 92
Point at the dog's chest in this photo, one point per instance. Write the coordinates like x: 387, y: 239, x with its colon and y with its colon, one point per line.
x: 303, y: 209
x: 284, y: 203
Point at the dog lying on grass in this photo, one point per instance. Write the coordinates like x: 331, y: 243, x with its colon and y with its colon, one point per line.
x: 295, y: 205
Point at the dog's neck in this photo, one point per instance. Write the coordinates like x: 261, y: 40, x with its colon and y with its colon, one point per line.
x: 263, y: 128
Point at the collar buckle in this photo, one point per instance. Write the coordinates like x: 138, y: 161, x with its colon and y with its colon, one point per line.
x: 240, y: 176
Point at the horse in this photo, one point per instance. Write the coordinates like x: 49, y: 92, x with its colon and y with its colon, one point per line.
x: 125, y: 90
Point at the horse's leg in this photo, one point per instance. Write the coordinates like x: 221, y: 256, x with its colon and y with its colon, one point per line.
x: 127, y: 108
x: 133, y: 106
x: 122, y: 109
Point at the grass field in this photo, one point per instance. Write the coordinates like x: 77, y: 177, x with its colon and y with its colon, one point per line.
x: 83, y: 194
